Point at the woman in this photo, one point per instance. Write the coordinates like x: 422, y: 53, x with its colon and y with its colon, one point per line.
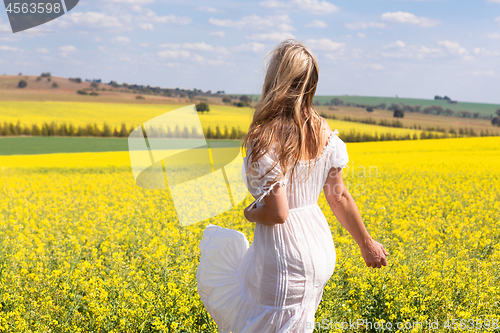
x: 276, y: 284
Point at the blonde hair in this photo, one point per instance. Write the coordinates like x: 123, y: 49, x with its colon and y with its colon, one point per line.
x: 284, y: 114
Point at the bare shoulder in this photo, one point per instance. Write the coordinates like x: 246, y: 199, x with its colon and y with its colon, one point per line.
x: 327, y: 131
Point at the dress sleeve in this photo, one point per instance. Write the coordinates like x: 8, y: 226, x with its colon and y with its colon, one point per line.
x: 257, y: 186
x: 339, y: 157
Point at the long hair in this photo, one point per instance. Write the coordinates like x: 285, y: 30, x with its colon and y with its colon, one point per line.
x: 284, y: 116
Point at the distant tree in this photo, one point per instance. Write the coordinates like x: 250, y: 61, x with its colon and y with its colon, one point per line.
x: 475, y: 115
x: 82, y: 92
x: 139, y: 97
x: 369, y: 109
x: 55, y: 85
x: 75, y: 80
x: 498, y: 112
x: 337, y: 101
x: 240, y: 104
x: 438, y: 97
x: 94, y: 85
x: 94, y: 94
x: 202, y: 107
x: 226, y: 99
x: 495, y: 121
x: 245, y: 99
x: 45, y: 74
x: 398, y: 113
x: 22, y: 84
x: 123, y: 131
x: 394, y: 106
x: 316, y: 103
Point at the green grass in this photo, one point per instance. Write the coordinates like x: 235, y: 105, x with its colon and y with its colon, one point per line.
x: 482, y: 109
x: 51, y: 144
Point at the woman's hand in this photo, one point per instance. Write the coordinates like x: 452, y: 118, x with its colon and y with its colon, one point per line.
x: 248, y: 212
x: 374, y: 253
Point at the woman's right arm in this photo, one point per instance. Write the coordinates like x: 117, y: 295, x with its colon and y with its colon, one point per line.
x: 344, y: 208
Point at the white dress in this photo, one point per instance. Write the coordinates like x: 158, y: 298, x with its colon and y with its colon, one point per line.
x: 276, y: 284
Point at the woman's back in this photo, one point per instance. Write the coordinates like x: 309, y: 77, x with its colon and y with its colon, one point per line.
x: 276, y: 284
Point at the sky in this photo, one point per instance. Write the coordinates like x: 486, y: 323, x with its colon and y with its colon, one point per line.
x: 408, y: 48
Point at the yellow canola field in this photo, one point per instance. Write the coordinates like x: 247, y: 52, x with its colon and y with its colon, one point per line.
x: 85, y: 249
x: 114, y: 114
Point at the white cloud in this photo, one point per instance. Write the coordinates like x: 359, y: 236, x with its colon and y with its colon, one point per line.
x: 453, y: 46
x: 208, y: 9
x: 315, y: 6
x: 325, y: 44
x: 42, y: 50
x: 121, y: 39
x: 497, y: 19
x: 90, y: 20
x: 146, y: 26
x: 272, y: 36
x: 361, y: 35
x: 198, y: 58
x: 5, y: 27
x: 272, y: 4
x: 198, y: 46
x: 133, y: 2
x: 279, y: 22
x: 483, y: 73
x: 203, y: 61
x: 497, y: 1
x: 404, y: 17
x: 376, y: 66
x: 171, y: 19
x: 192, y: 46
x: 493, y: 35
x: 398, y: 43
x: 401, y: 50
x: 143, y: 44
x: 8, y: 48
x: 316, y: 24
x: 218, y: 33
x: 67, y: 48
x: 174, y: 54
x: 483, y: 52
x: 309, y: 6
x: 364, y: 25
x: 249, y: 47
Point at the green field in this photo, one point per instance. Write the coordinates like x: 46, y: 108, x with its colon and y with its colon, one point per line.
x: 482, y: 109
x: 51, y: 145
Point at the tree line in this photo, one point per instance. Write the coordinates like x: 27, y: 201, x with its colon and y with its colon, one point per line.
x: 217, y: 132
x: 433, y: 109
x: 396, y: 123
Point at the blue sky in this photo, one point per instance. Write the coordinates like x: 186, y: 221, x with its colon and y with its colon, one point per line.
x: 364, y: 47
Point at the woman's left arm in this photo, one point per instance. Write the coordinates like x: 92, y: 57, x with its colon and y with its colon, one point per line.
x: 274, y: 211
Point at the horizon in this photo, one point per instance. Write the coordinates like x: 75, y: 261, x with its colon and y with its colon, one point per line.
x: 250, y: 94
